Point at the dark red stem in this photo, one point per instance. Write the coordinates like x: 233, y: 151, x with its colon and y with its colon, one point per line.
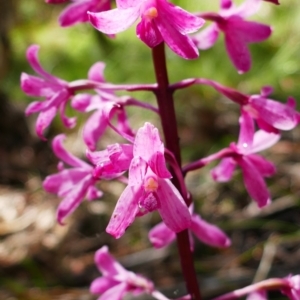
x: 164, y: 96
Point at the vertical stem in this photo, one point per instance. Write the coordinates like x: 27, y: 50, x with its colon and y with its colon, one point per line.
x: 165, y: 101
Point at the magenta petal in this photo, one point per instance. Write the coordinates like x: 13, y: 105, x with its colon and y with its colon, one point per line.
x: 248, y: 8
x: 147, y: 32
x: 75, y: 13
x: 237, y: 50
x: 124, y: 212
x: 224, y: 170
x: 62, y: 182
x: 158, y: 165
x: 94, y: 128
x: 264, y: 140
x: 101, y: 285
x: 115, y: 20
x: 264, y: 167
x: 96, y: 72
x: 207, y: 37
x: 93, y: 193
x: 137, y: 171
x: 34, y: 107
x: 64, y: 155
x: 106, y: 264
x: 81, y: 102
x: 115, y: 293
x: 127, y: 3
x: 32, y: 57
x: 43, y: 121
x: 246, y: 130
x: 181, y: 44
x: 73, y: 199
x: 254, y: 182
x: 161, y: 235
x: 181, y: 20
x: 37, y: 87
x: 279, y: 115
x: 173, y: 209
x: 257, y: 295
x: 208, y: 233
x: 147, y: 142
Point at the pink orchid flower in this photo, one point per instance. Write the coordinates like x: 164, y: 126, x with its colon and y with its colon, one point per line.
x: 77, y: 11
x: 160, y: 21
x: 238, y: 32
x: 105, y: 104
x: 111, y: 162
x: 161, y: 236
x: 293, y: 291
x: 71, y: 184
x: 117, y: 281
x: 54, y: 90
x: 254, y: 167
x: 269, y: 114
x: 149, y: 187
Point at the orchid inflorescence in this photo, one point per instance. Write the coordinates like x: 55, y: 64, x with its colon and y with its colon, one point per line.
x: 151, y: 169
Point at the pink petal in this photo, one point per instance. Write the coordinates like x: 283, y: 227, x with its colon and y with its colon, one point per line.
x: 137, y: 171
x: 248, y: 8
x: 74, y: 13
x: 264, y: 140
x: 158, y: 165
x: 124, y: 212
x: 161, y: 235
x: 64, y: 181
x: 254, y: 182
x: 96, y: 72
x: 148, y: 32
x: 64, y: 155
x: 107, y: 264
x: 178, y: 18
x: 237, y: 50
x: 34, y: 107
x: 43, y: 121
x: 38, y: 87
x: 182, y: 45
x: 207, y: 37
x: 257, y: 295
x: 94, y: 128
x: 115, y: 293
x: 93, y: 193
x: 246, y: 130
x: 279, y: 115
x: 32, y: 57
x: 101, y: 285
x: 208, y: 233
x: 73, y: 199
x: 83, y: 102
x: 115, y: 20
x: 264, y: 167
x: 173, y: 209
x: 67, y: 121
x: 147, y: 142
x: 128, y: 3
x: 224, y: 170
x: 120, y: 155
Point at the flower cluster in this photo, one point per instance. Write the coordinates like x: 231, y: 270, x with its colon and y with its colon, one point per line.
x: 150, y: 168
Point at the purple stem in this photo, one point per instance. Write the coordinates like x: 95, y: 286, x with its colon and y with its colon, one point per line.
x: 164, y: 96
x: 198, y: 164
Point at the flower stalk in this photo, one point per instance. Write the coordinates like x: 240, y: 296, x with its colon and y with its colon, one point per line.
x: 164, y: 97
